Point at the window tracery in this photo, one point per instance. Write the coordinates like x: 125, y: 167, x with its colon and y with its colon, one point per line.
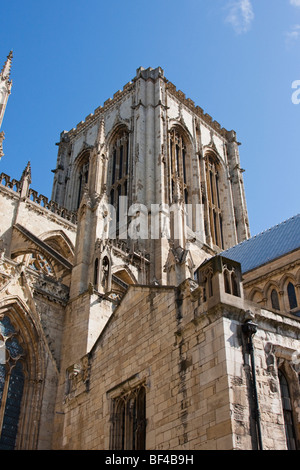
x: 231, y: 282
x: 287, y: 411
x: 128, y: 430
x: 82, y: 176
x: 207, y: 284
x: 119, y: 172
x: 12, y: 378
x: 178, y: 164
x: 40, y: 264
x: 214, y: 201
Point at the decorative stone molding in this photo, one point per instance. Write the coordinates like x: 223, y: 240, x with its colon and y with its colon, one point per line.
x: 78, y: 376
x: 48, y: 287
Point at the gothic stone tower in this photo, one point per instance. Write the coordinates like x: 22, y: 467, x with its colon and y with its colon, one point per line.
x: 121, y: 300
x: 171, y: 173
x: 158, y: 189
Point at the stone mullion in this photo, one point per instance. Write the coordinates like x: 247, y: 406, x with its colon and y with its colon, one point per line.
x: 173, y: 164
x: 217, y: 209
x: 210, y: 205
x: 180, y: 162
x: 204, y: 195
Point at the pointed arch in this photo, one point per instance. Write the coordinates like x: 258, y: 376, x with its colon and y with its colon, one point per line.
x: 286, y: 278
x: 119, y: 163
x: 213, y: 200
x: 292, y: 296
x: 124, y: 273
x: 16, y: 322
x: 37, y: 261
x: 231, y: 280
x: 256, y: 295
x: 271, y: 293
x: 102, y: 271
x: 60, y: 242
x: 80, y: 177
x: 181, y: 153
x: 287, y: 409
x: 288, y: 286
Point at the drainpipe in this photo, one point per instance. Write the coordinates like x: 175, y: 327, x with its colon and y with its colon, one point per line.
x: 249, y: 329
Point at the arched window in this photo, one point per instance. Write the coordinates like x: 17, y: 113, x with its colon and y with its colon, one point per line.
x: 179, y: 166
x: 256, y: 296
x: 287, y: 412
x: 234, y: 285
x: 178, y: 153
x: 37, y: 262
x: 292, y: 296
x: 119, y: 172
x: 128, y: 419
x: 214, y: 202
x: 227, y: 282
x: 275, y: 299
x: 82, y: 176
x: 11, y: 383
x: 40, y: 264
x: 207, y: 286
x: 231, y: 283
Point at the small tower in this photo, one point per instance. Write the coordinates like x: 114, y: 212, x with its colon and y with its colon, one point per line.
x: 5, y: 90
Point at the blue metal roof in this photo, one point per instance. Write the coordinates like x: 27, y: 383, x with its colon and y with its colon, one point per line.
x: 267, y: 246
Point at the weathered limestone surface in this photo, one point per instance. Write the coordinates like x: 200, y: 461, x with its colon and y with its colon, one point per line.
x: 102, y: 317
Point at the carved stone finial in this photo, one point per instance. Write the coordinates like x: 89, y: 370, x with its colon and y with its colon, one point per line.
x: 5, y: 72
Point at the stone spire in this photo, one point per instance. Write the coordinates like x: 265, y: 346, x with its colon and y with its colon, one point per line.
x: 5, y: 85
x: 5, y: 90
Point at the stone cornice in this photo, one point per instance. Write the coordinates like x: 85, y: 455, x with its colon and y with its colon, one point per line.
x: 92, y: 118
x: 271, y: 273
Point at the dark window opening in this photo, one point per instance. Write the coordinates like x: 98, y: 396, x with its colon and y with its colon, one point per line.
x: 11, y: 385
x: 275, y: 300
x: 287, y: 412
x: 213, y: 202
x: 128, y: 430
x: 292, y: 296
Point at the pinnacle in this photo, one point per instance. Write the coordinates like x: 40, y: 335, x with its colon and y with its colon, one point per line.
x: 5, y: 72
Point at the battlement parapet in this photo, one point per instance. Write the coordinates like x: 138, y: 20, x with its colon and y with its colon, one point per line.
x: 39, y: 199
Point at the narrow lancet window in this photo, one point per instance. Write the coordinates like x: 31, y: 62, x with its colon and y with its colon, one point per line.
x: 287, y: 412
x: 213, y: 201
x: 292, y: 296
x: 119, y: 172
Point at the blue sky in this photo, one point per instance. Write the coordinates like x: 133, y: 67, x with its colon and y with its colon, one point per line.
x: 237, y: 59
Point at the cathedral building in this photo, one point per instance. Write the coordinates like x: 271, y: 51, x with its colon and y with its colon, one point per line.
x: 136, y: 311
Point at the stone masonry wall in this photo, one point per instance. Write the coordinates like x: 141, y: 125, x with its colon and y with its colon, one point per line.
x: 196, y: 370
x: 187, y: 396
